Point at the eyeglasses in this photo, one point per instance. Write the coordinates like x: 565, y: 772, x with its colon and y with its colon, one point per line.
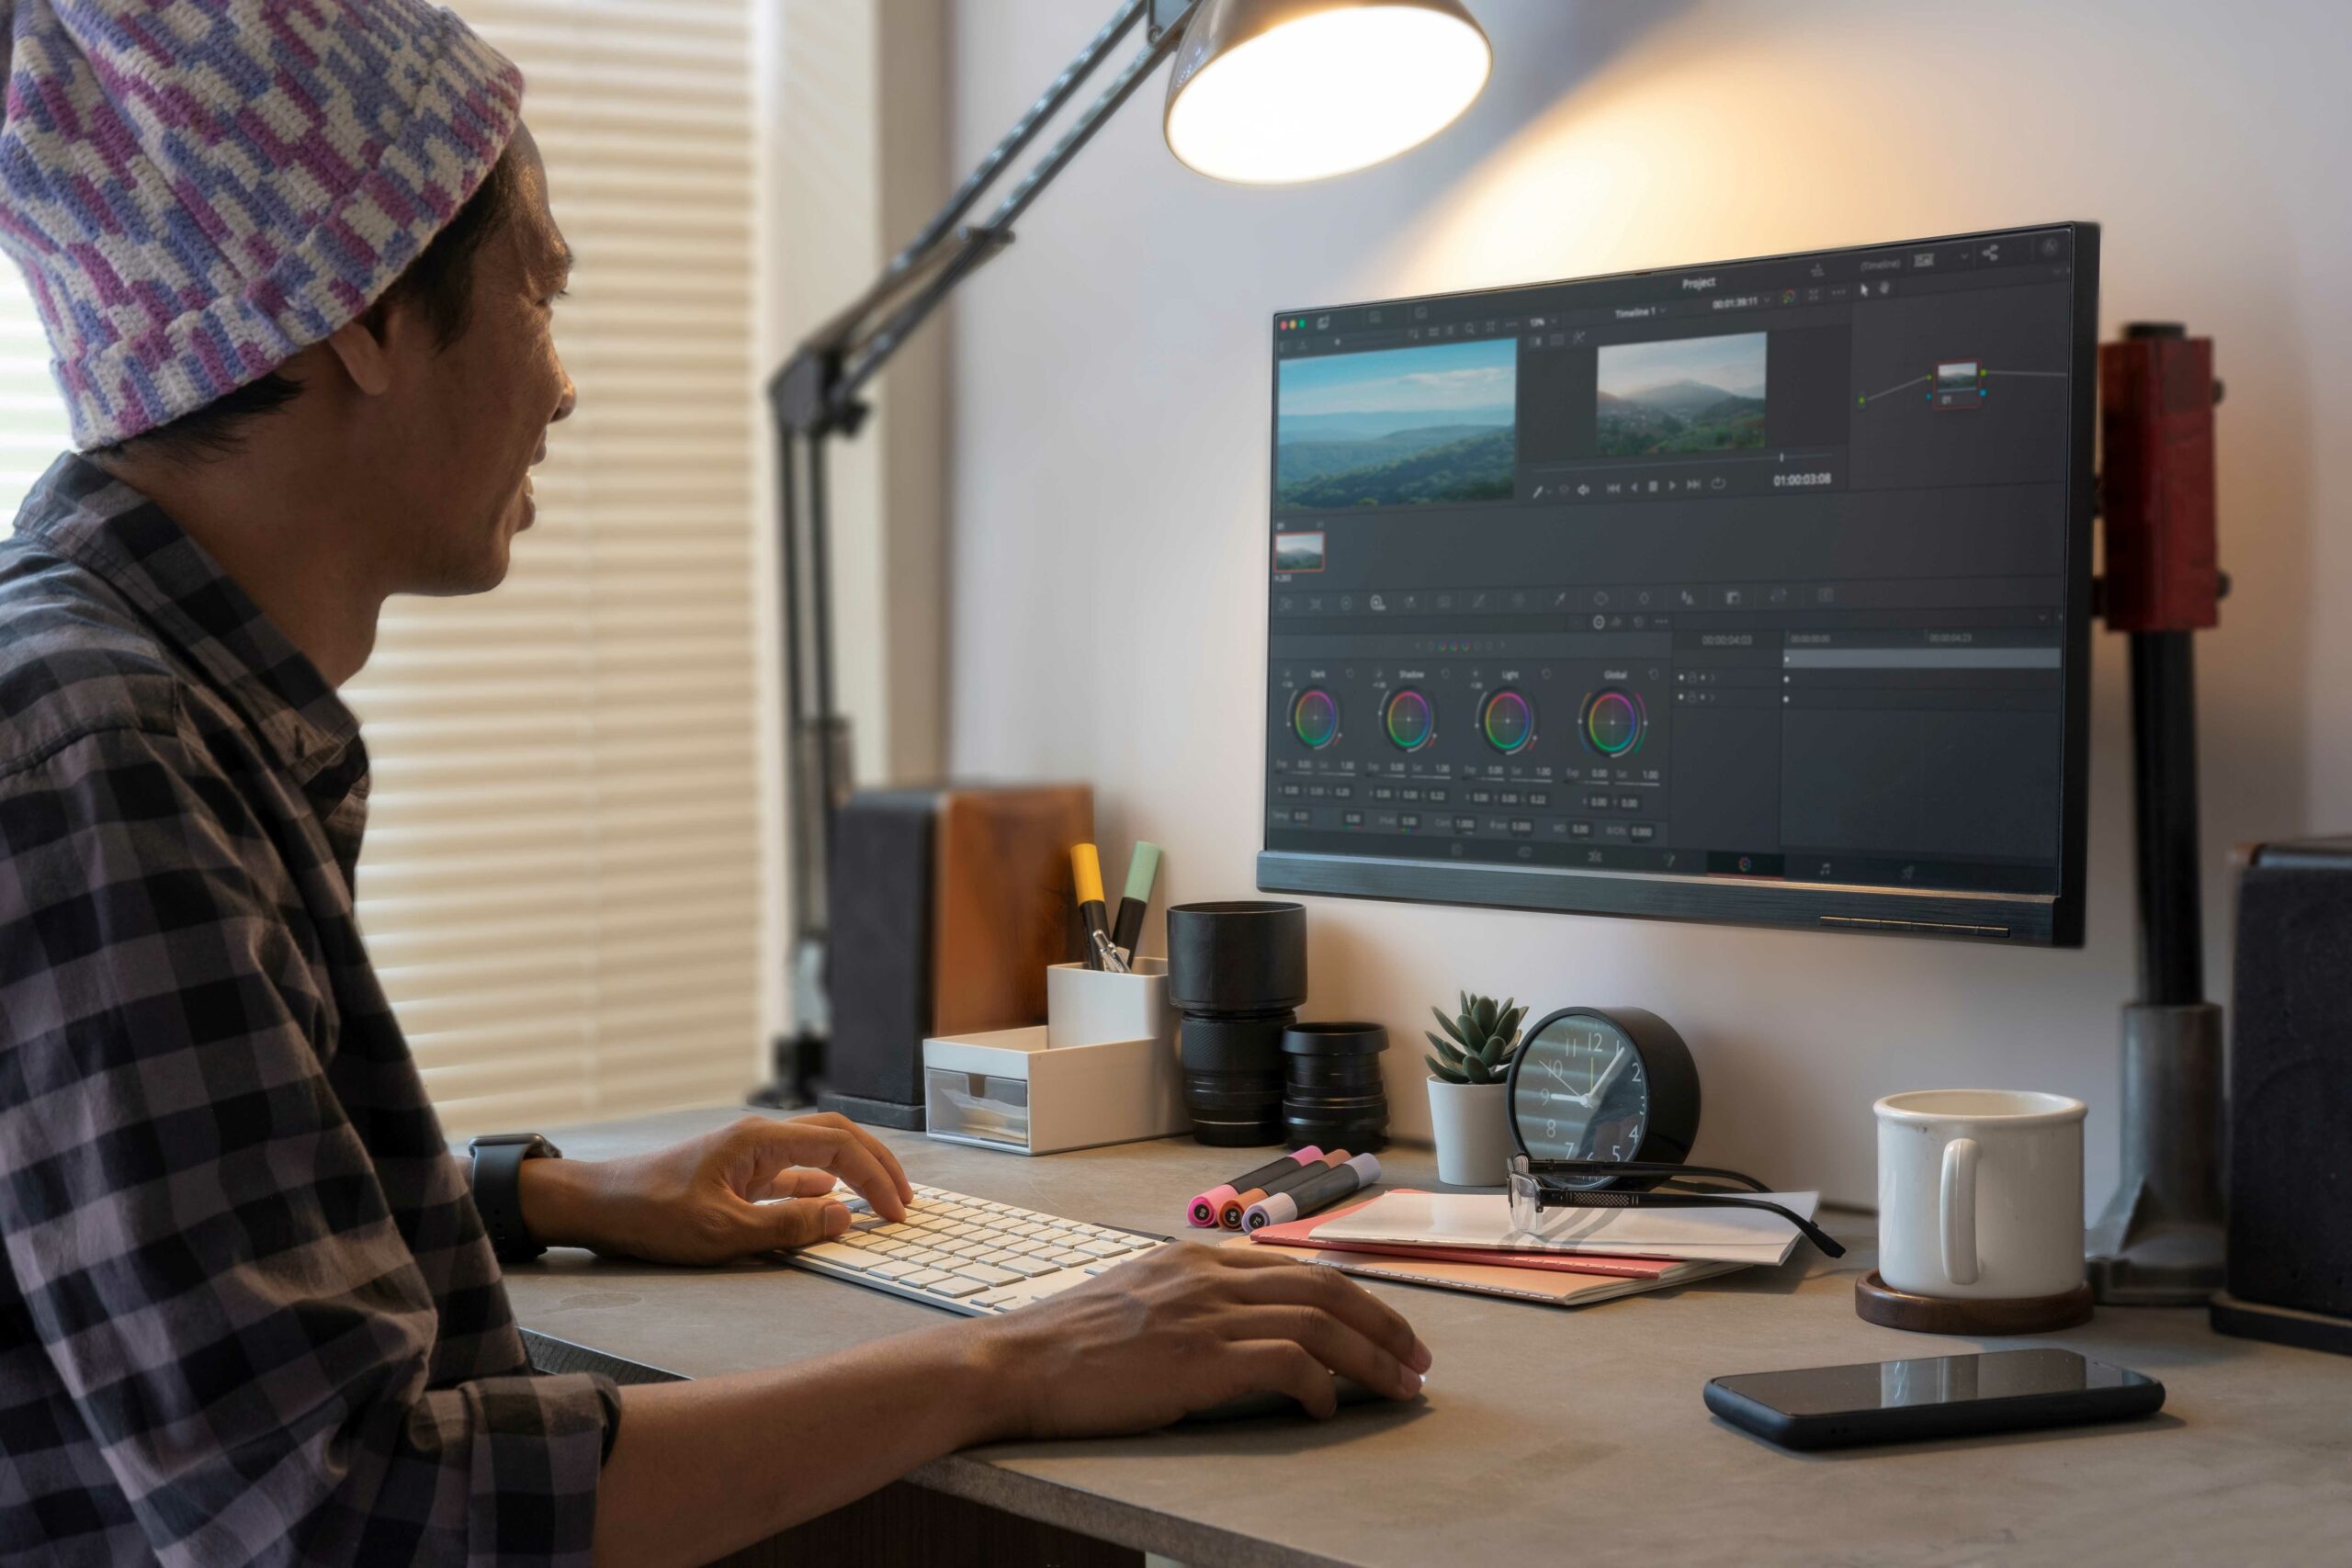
x: 1537, y: 1185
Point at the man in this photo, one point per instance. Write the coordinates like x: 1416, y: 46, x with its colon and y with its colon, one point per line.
x: 298, y: 268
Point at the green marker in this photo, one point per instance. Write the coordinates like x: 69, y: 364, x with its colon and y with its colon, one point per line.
x: 1142, y: 870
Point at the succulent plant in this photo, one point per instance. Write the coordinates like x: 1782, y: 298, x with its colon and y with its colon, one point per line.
x: 1477, y: 1042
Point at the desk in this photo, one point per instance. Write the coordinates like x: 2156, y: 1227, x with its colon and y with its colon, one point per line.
x: 1549, y: 1435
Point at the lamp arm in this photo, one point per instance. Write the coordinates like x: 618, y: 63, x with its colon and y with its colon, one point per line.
x: 817, y: 389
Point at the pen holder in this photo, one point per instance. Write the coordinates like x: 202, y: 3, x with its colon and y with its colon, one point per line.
x: 1085, y: 1006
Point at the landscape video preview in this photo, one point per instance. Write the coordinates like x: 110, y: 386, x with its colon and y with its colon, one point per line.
x: 1398, y: 427
x: 1700, y: 394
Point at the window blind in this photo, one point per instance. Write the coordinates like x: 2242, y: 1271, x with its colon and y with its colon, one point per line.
x: 561, y: 886
x: 560, y: 883
x: 32, y: 417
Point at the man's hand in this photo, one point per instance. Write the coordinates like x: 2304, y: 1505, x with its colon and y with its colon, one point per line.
x: 1185, y: 1327
x: 699, y: 1201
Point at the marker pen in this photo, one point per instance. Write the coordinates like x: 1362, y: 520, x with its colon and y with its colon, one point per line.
x: 1317, y: 1192
x: 1203, y: 1209
x: 1228, y: 1214
x: 1134, y: 900
x: 1086, y: 871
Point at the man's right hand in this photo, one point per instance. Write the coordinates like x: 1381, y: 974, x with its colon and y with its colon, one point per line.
x: 1185, y: 1327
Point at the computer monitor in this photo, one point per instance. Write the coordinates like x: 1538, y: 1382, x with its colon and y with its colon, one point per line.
x: 1754, y: 591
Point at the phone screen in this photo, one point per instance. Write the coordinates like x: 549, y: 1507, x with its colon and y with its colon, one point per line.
x: 1929, y: 1380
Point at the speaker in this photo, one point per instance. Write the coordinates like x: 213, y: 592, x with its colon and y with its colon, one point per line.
x: 2290, y: 1275
x: 946, y: 906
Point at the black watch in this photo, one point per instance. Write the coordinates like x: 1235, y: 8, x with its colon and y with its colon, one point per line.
x: 498, y: 1190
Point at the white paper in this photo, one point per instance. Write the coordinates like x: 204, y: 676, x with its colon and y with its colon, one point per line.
x: 1483, y: 1220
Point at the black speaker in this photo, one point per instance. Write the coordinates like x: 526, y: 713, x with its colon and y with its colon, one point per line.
x: 946, y: 906
x: 880, y: 960
x: 2291, y: 1100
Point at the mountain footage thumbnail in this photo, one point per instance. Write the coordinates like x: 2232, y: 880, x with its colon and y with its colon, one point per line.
x: 1683, y: 395
x: 1399, y: 427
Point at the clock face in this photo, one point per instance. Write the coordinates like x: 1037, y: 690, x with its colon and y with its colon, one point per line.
x: 1581, y: 1093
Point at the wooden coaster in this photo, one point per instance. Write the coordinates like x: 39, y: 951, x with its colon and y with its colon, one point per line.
x: 1875, y: 1302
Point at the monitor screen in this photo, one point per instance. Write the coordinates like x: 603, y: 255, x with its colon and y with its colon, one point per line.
x: 1754, y: 591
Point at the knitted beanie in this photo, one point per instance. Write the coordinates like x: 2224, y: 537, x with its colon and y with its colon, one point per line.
x: 196, y: 189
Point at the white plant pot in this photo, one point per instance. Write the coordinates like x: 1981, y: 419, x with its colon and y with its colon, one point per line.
x: 1472, y: 1128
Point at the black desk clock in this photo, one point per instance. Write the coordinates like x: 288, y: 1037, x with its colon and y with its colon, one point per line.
x: 1603, y: 1083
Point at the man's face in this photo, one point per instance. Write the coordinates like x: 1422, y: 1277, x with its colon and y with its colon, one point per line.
x: 474, y: 416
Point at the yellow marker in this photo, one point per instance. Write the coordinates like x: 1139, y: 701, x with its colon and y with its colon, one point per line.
x: 1086, y: 871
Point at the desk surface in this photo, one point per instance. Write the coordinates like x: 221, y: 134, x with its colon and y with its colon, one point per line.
x: 1551, y: 1434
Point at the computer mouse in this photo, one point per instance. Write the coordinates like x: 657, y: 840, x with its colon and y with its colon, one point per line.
x: 1268, y: 1402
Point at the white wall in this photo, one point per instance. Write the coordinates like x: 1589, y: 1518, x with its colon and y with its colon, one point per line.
x: 1109, y: 434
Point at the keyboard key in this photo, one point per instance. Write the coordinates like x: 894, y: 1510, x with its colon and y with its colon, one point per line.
x: 986, y: 1273
x: 893, y: 1268
x: 834, y: 1252
x: 1002, y: 1300
x: 924, y: 1278
x: 1100, y: 1249
x: 956, y: 1285
x: 1028, y: 1265
x: 1072, y: 1257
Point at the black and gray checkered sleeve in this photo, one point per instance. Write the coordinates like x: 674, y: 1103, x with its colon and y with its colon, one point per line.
x: 244, y: 1337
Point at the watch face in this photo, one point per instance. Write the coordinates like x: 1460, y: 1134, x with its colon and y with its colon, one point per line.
x: 1581, y: 1093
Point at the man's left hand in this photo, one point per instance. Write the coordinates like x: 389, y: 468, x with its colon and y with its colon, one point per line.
x: 754, y: 1186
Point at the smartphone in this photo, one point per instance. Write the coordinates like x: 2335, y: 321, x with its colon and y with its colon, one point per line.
x: 1932, y: 1396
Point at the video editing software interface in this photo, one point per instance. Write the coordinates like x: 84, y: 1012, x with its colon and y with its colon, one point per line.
x: 1757, y: 572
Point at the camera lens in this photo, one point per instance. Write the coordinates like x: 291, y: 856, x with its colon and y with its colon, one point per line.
x: 1332, y: 1092
x: 1236, y: 971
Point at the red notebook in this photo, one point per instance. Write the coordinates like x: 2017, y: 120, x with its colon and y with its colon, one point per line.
x: 1301, y: 1233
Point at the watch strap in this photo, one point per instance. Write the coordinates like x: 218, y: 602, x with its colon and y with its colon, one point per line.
x: 498, y: 1190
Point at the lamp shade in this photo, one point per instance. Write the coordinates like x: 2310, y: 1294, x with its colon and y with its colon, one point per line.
x: 1271, y: 91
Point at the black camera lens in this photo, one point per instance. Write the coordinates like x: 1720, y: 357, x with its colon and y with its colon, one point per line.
x: 1332, y: 1092
x: 1235, y: 971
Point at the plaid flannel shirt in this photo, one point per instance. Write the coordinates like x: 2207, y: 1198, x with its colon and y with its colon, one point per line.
x: 249, y: 1313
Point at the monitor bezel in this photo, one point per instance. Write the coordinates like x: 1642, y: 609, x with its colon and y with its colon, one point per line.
x: 2050, y: 919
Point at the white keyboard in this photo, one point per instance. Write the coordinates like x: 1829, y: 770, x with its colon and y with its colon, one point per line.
x: 966, y: 1254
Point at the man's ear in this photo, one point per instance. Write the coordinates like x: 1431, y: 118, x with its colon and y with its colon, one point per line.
x: 366, y: 357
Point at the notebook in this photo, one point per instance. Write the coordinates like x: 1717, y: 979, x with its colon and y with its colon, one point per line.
x: 1307, y: 1232
x: 1550, y: 1287
x: 1550, y: 1279
x: 1482, y: 1222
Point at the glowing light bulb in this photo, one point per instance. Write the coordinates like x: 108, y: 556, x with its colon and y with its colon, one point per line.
x: 1319, y: 91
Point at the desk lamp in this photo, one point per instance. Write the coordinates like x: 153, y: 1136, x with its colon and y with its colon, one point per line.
x: 1263, y: 92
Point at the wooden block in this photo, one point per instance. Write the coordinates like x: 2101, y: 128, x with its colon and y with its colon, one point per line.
x: 1004, y: 903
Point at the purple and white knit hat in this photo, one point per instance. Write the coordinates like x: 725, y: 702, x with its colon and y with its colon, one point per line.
x: 196, y: 189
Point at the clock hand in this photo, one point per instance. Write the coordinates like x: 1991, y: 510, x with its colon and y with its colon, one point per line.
x: 1607, y: 1079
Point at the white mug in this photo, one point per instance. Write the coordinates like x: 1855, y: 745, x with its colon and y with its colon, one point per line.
x: 1980, y: 1193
